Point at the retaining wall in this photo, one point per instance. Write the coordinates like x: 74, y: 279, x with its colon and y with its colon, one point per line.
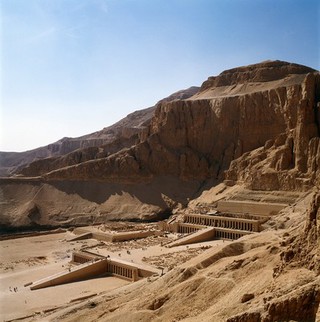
x: 254, y: 208
x: 110, y: 236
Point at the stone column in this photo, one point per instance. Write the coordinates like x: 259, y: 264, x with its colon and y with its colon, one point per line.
x: 135, y: 276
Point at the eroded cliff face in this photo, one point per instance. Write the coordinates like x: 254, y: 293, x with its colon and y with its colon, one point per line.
x: 97, y: 145
x: 69, y: 151
x: 232, y: 114
x: 291, y: 160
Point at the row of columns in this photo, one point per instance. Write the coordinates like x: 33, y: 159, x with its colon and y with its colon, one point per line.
x: 224, y: 223
x: 127, y: 272
x: 81, y: 258
x: 187, y: 229
x: 227, y: 235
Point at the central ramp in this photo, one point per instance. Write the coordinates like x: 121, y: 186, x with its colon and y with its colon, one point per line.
x: 84, y: 271
x: 202, y: 235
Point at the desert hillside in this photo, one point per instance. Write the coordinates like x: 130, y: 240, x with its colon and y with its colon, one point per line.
x: 259, y: 123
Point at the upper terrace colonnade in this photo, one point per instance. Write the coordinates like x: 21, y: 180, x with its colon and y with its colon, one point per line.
x: 224, y: 222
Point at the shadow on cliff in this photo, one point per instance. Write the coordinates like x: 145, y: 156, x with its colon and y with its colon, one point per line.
x: 160, y: 191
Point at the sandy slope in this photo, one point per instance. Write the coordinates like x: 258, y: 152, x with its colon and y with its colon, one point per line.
x: 66, y: 203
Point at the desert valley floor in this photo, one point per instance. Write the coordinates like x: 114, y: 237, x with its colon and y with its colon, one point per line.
x: 29, y: 259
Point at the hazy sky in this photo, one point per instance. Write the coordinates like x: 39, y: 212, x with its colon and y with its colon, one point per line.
x: 72, y: 67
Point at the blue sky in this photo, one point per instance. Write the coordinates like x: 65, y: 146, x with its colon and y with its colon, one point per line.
x: 72, y: 67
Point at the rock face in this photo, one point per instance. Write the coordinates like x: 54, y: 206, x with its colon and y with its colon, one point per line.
x: 233, y: 114
x: 259, y: 123
x: 70, y: 151
x: 291, y: 160
x: 76, y: 150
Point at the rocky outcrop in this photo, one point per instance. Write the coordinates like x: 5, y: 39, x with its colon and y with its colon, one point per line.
x: 300, y: 305
x: 303, y: 247
x: 264, y: 72
x: 291, y: 160
x: 300, y: 251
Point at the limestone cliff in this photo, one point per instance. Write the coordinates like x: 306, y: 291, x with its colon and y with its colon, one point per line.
x: 44, y: 159
x: 290, y: 161
x: 70, y: 151
x: 233, y: 114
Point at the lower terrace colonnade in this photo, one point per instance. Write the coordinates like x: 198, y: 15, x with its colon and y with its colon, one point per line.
x: 228, y: 234
x: 120, y: 270
x: 188, y: 228
x: 112, y: 267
